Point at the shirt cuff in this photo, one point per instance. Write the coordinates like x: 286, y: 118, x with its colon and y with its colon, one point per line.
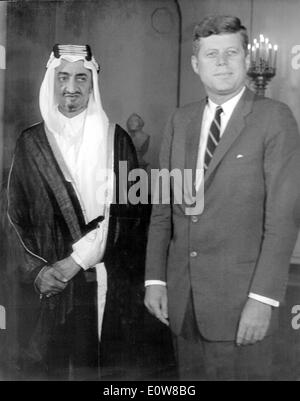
x: 78, y: 260
x: 264, y: 300
x: 155, y: 282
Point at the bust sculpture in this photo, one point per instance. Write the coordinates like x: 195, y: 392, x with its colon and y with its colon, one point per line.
x: 140, y: 138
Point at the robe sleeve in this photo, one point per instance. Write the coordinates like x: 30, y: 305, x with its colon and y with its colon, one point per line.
x: 20, y: 183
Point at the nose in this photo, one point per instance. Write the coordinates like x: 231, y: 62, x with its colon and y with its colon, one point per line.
x: 71, y: 85
x: 221, y: 59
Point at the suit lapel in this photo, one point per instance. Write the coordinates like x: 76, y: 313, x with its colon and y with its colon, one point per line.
x: 193, y: 130
x: 234, y: 128
x: 193, y: 138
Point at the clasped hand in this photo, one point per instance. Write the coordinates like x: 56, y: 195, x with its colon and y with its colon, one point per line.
x: 53, y: 279
x: 50, y: 281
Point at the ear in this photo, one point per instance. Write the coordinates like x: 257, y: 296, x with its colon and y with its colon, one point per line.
x: 194, y: 62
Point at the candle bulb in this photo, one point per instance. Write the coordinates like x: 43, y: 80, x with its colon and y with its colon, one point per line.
x: 253, y: 55
x: 266, y: 51
x: 250, y: 52
x: 257, y: 55
x: 275, y: 56
x: 261, y: 48
x: 269, y: 54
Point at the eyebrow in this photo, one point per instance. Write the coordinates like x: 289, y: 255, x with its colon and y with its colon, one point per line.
x: 226, y: 49
x: 80, y: 74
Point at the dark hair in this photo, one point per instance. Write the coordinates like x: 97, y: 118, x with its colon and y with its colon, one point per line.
x: 216, y: 25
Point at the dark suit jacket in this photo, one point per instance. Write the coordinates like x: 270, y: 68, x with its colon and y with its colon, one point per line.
x: 243, y: 240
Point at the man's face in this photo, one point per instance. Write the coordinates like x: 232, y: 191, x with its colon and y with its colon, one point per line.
x: 73, y: 85
x: 222, y: 65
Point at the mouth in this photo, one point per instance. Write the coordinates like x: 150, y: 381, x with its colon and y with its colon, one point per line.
x: 223, y: 74
x: 71, y: 95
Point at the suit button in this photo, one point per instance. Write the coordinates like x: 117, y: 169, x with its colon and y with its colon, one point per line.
x: 193, y: 254
x: 195, y: 219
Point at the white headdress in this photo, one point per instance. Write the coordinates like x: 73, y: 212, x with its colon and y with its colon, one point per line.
x: 89, y: 176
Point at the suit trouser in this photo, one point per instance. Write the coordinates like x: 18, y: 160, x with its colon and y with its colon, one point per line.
x: 200, y: 359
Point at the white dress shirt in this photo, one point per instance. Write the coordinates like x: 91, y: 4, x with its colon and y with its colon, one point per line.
x: 208, y: 116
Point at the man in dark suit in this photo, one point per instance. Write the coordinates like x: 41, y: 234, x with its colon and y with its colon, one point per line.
x: 218, y: 277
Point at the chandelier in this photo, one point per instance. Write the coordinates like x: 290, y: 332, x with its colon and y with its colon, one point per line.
x: 263, y: 58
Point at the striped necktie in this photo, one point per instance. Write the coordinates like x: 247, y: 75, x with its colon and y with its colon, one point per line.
x: 213, y: 137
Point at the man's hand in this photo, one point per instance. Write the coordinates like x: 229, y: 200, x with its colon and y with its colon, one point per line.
x: 156, y: 301
x: 67, y: 267
x: 254, y: 322
x: 50, y: 281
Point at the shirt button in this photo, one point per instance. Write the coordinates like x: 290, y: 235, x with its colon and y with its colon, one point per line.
x: 194, y: 219
x: 193, y: 254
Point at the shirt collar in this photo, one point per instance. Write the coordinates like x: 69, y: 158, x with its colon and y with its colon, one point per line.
x: 228, y: 106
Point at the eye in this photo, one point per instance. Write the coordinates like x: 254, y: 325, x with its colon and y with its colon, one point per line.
x: 62, y: 78
x: 232, y: 52
x: 211, y: 54
x: 82, y: 78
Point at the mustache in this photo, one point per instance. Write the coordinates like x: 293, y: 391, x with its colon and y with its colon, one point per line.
x: 67, y: 93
